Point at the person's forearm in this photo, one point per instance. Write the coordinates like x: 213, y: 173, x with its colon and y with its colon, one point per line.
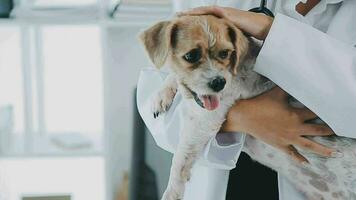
x: 259, y: 29
x: 314, y: 67
x: 269, y: 117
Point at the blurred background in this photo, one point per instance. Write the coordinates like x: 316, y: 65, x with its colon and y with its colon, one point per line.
x: 69, y: 129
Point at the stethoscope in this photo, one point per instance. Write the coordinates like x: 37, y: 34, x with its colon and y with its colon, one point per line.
x: 262, y: 9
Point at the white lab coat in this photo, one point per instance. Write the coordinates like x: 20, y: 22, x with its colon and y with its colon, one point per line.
x: 312, y: 57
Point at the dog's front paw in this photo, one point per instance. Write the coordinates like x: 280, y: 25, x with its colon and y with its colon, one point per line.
x: 185, y: 173
x: 162, y: 101
x: 175, y: 193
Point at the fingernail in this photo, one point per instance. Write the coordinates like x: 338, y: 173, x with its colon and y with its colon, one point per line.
x: 337, y: 154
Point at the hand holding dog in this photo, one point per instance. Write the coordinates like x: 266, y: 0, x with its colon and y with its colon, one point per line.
x: 270, y: 118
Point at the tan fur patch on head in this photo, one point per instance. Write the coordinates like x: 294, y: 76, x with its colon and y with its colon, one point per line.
x: 211, y: 35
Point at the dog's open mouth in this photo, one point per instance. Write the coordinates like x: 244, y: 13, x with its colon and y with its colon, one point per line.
x: 209, y: 102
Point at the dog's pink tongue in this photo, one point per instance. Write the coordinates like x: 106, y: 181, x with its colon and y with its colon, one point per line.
x: 211, y: 102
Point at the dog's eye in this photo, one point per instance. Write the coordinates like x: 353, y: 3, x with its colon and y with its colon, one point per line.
x: 193, y: 56
x: 223, y: 54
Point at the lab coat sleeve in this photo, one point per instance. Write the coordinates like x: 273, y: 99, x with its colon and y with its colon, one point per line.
x: 315, y: 68
x: 221, y: 152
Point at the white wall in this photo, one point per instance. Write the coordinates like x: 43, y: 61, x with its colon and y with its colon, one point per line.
x: 124, y: 59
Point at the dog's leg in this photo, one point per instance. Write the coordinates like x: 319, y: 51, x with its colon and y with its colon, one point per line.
x: 261, y: 88
x: 179, y: 175
x: 164, y: 98
x: 182, y: 163
x: 257, y: 87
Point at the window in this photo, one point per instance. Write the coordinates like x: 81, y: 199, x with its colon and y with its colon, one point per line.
x: 82, y: 179
x: 72, y: 80
x: 51, y: 104
x: 51, y: 88
x: 11, y: 80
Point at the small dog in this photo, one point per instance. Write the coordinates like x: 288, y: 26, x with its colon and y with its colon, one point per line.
x: 211, y: 64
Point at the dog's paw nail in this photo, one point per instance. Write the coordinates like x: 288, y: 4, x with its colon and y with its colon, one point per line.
x: 156, y: 114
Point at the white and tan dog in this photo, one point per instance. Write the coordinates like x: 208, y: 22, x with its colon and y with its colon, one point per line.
x: 211, y: 64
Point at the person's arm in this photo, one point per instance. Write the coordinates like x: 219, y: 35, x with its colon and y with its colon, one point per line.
x: 270, y: 118
x: 221, y: 152
x: 318, y: 70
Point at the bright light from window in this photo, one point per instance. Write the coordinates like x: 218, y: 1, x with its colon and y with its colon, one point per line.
x: 83, y: 178
x: 72, y: 79
x: 11, y: 84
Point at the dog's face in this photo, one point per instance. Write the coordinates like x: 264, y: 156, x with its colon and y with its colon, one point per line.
x: 203, y: 51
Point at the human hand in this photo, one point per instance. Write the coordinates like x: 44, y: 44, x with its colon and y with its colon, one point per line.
x: 271, y: 119
x: 254, y: 24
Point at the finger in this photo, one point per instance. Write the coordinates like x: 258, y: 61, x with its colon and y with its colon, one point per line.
x: 314, y: 147
x: 205, y: 10
x: 197, y: 11
x: 304, y: 113
x: 316, y: 130
x: 294, y: 154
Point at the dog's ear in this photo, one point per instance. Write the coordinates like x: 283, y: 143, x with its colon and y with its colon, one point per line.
x: 241, y: 47
x: 157, y: 41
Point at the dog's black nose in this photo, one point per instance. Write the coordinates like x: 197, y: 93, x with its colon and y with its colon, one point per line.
x: 217, y: 84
